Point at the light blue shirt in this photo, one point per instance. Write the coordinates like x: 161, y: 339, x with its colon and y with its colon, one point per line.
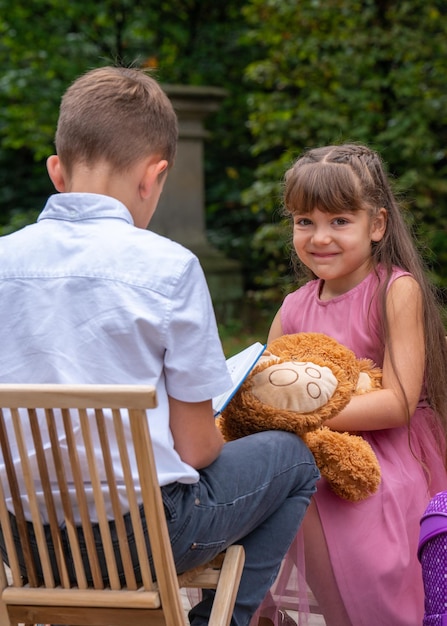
x: 86, y: 297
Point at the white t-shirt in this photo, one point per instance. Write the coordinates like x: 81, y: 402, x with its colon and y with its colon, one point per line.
x: 86, y: 297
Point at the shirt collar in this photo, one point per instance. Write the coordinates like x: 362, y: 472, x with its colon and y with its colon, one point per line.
x: 76, y: 207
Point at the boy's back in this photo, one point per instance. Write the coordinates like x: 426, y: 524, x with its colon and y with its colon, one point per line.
x: 113, y: 290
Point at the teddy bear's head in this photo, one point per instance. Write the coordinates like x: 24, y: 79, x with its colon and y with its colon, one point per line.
x: 301, y: 381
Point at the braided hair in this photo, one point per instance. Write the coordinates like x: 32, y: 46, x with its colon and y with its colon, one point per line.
x: 352, y: 177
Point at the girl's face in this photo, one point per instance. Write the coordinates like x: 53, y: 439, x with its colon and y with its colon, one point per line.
x: 337, y: 247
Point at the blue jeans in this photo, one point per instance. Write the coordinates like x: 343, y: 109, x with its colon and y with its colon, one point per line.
x: 254, y: 494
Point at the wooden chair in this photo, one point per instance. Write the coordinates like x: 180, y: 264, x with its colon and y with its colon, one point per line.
x: 45, y: 593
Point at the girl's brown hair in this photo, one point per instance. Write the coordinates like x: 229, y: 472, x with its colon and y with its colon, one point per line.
x: 118, y: 115
x: 352, y: 177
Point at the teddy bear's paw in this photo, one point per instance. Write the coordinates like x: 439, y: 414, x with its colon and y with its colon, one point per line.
x: 353, y: 485
x: 295, y: 386
x: 347, y: 461
x: 370, y: 376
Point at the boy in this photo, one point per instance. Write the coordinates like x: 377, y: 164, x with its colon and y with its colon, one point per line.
x: 88, y: 295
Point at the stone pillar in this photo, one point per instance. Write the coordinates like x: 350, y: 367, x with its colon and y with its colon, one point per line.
x: 180, y: 215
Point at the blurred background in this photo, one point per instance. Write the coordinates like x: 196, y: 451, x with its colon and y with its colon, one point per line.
x: 289, y: 75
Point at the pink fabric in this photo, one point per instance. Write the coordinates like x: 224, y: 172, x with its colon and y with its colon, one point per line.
x: 289, y: 590
x: 352, y: 318
x: 373, y: 543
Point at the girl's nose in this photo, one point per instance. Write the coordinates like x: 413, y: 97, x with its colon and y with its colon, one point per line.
x: 321, y: 236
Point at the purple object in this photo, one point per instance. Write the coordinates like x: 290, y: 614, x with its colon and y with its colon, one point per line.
x: 432, y: 553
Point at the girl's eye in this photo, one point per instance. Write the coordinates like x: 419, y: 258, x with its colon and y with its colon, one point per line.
x: 340, y: 221
x: 302, y: 221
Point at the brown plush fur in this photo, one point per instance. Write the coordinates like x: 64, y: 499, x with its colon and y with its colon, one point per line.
x: 346, y: 461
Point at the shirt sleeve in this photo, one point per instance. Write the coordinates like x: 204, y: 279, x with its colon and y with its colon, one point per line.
x: 194, y: 363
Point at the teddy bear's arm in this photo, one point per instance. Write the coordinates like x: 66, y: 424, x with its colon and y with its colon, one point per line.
x: 347, y: 461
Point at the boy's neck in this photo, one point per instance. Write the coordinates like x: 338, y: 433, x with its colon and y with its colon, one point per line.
x: 101, y: 179
x: 137, y: 187
x: 96, y: 179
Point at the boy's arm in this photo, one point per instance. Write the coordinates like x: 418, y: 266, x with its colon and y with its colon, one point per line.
x: 196, y: 437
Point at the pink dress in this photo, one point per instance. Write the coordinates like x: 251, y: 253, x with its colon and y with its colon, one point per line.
x: 373, y: 543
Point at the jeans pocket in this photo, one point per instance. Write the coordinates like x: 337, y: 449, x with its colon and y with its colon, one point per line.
x: 200, y: 554
x: 170, y: 495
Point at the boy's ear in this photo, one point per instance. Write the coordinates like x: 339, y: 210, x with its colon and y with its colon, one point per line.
x: 155, y: 172
x: 55, y: 172
x: 378, y: 226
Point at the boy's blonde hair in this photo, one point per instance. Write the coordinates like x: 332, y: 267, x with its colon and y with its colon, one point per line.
x: 118, y: 115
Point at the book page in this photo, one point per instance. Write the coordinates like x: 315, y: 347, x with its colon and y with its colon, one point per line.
x: 239, y: 366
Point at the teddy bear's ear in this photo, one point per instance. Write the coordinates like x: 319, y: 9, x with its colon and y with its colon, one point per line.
x: 267, y: 357
x: 364, y: 384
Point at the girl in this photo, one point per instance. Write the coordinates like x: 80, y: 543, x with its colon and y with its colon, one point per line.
x: 369, y: 291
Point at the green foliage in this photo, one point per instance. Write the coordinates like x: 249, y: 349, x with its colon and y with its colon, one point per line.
x: 297, y: 74
x: 370, y: 71
x: 45, y: 44
x: 24, y: 189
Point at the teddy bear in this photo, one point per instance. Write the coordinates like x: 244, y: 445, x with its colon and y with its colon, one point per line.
x: 300, y: 381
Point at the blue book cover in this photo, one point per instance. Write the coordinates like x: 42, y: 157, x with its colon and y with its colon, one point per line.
x: 239, y: 366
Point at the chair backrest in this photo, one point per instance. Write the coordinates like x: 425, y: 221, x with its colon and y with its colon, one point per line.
x: 42, y: 430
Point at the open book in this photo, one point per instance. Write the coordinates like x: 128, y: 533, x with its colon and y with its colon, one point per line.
x: 239, y: 366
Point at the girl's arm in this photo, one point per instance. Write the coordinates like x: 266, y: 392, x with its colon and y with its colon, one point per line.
x: 395, y: 403
x: 275, y: 328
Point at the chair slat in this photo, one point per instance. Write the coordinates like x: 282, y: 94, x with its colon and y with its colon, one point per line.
x: 90, y: 616
x: 128, y: 569
x: 3, y: 577
x: 8, y: 539
x: 81, y: 500
x: 48, y: 495
x: 28, y: 478
x: 67, y: 507
x: 155, y: 519
x: 21, y: 524
x: 134, y: 508
x: 98, y: 497
x: 90, y: 597
x: 225, y: 597
x: 78, y: 396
